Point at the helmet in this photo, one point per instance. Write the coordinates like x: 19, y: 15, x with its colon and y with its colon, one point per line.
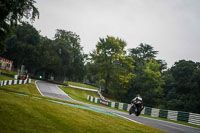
x: 138, y: 95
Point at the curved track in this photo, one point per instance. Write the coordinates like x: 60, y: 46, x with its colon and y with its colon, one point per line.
x: 52, y: 91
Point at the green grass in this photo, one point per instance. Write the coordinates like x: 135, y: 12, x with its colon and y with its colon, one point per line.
x: 82, y: 85
x: 3, y: 77
x: 27, y: 114
x: 9, y: 72
x: 33, y: 80
x: 29, y: 89
x: 78, y: 94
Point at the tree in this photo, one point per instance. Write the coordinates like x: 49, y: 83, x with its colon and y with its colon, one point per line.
x: 21, y: 46
x: 122, y: 77
x: 12, y: 12
x: 152, y: 91
x: 91, y: 76
x: 143, y: 51
x: 113, y: 66
x: 148, y: 77
x: 49, y: 61
x: 182, y: 88
x: 68, y: 46
x: 60, y: 58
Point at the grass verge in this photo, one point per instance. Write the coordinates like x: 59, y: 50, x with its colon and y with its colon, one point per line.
x: 82, y: 85
x: 3, y: 77
x: 78, y: 94
x: 9, y: 72
x: 27, y: 114
x: 29, y: 89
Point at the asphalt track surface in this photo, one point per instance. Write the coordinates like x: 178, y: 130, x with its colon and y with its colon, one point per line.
x: 52, y: 91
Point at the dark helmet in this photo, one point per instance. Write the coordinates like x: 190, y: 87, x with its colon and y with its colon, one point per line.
x: 138, y: 95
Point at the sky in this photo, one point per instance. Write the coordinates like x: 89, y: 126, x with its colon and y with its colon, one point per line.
x: 172, y: 27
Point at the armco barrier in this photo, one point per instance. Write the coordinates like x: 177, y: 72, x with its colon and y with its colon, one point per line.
x: 163, y: 113
x: 191, y: 118
x: 13, y: 82
x: 172, y: 115
x: 194, y: 119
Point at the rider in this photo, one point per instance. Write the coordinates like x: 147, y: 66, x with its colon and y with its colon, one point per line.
x: 137, y: 99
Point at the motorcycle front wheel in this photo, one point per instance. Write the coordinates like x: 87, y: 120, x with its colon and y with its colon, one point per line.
x: 131, y: 110
x: 137, y: 113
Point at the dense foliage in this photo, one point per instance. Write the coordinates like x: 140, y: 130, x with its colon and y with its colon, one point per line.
x: 61, y: 58
x: 114, y: 68
x: 12, y: 12
x: 182, y: 86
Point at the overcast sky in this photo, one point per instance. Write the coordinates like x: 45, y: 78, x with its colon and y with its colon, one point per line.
x: 172, y: 27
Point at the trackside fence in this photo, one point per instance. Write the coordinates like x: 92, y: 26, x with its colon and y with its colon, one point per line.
x: 191, y: 118
x: 13, y: 82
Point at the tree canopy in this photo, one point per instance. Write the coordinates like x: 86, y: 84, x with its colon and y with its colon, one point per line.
x: 182, y: 88
x: 12, y: 12
x: 61, y: 58
x: 113, y: 66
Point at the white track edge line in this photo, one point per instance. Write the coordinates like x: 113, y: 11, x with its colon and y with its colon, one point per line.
x: 38, y: 87
x: 169, y: 122
x: 65, y: 93
x: 128, y: 119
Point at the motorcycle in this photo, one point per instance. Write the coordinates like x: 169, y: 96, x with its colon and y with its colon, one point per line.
x: 136, y: 107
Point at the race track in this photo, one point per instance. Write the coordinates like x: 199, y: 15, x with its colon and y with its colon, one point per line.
x: 52, y: 91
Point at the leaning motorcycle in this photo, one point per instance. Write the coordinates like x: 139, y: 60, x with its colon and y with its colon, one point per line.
x: 136, y: 107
